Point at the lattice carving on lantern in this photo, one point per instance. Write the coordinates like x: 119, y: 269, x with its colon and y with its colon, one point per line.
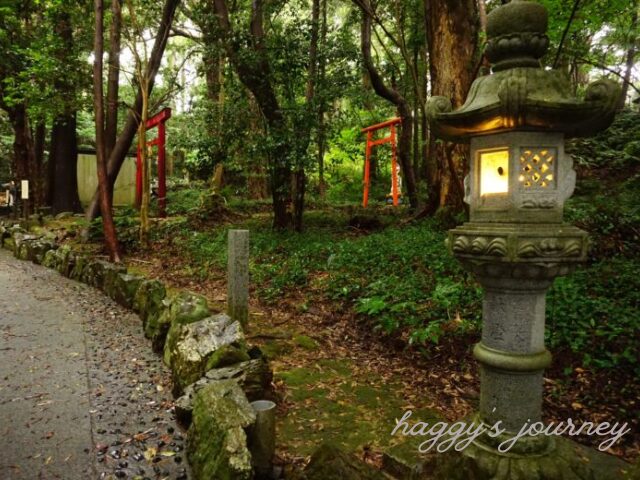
x: 538, y: 168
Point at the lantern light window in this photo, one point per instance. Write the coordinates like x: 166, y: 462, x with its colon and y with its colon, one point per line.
x: 494, y: 172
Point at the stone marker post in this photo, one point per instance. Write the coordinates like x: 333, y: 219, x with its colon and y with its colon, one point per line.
x: 238, y: 276
x: 262, y: 437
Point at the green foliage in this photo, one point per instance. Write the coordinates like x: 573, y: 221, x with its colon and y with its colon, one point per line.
x: 127, y: 223
x: 181, y: 201
x: 607, y: 200
x: 616, y: 148
x: 400, y: 279
x: 595, y: 311
x: 37, y: 66
x: 612, y: 220
x: 403, y: 280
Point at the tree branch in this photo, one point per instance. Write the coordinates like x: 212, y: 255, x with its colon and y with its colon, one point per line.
x: 566, y: 30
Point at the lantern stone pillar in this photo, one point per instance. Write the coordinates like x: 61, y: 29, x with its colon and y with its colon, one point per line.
x: 516, y: 121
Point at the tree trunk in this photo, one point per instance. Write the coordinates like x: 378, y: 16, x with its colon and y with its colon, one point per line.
x: 113, y: 77
x: 63, y: 158
x: 146, y: 170
x: 370, y: 107
x: 253, y: 71
x: 300, y: 177
x: 322, y: 69
x: 38, y: 142
x: 111, y: 241
x: 452, y: 38
x: 123, y: 142
x: 63, y: 152
x: 424, y: 122
x: 632, y: 51
x: 404, y: 110
x: 213, y: 61
x: 416, y: 125
x: 24, y: 152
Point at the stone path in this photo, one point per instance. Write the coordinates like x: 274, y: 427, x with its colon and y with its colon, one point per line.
x: 82, y: 396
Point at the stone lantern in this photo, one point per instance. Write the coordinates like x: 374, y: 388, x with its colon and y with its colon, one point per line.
x: 516, y: 121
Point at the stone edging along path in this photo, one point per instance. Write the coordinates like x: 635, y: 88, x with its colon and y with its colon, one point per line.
x: 215, y: 373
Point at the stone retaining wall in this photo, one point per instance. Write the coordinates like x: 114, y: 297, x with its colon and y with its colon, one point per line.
x: 215, y: 373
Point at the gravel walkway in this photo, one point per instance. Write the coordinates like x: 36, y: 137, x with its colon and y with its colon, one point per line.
x: 82, y: 395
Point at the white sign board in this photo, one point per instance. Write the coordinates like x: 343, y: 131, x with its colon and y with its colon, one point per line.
x: 25, y: 190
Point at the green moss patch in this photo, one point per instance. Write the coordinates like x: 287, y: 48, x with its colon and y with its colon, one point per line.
x: 331, y: 405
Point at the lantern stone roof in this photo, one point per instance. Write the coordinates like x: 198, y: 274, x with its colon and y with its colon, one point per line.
x: 519, y: 93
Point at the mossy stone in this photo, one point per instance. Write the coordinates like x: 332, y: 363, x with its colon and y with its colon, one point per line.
x: 227, y: 355
x: 78, y: 270
x: 9, y: 243
x: 148, y: 300
x: 39, y: 248
x: 49, y: 259
x: 189, y: 349
x: 216, y: 441
x: 93, y: 273
x: 125, y: 288
x: 111, y: 272
x: 183, y: 308
x: 253, y: 376
x: 64, y: 260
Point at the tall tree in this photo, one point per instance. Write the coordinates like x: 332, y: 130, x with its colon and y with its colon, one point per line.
x: 113, y: 77
x: 253, y: 69
x: 111, y: 241
x: 633, y: 43
x: 452, y: 38
x: 321, y: 136
x: 395, y: 97
x: 18, y: 26
x: 63, y: 154
x: 142, y: 81
x: 300, y: 178
x: 124, y: 140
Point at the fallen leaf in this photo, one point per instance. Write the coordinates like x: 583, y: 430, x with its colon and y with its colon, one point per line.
x: 150, y: 453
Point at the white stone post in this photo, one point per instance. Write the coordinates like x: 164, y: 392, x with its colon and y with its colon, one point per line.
x: 238, y: 276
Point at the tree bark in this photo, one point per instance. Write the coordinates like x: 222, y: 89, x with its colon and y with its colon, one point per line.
x: 111, y: 241
x: 113, y: 77
x: 63, y: 156
x: 213, y: 61
x: 24, y: 152
x: 38, y: 146
x: 321, y: 132
x: 404, y: 111
x: 63, y: 153
x: 123, y: 142
x: 312, y: 74
x: 369, y: 106
x: 452, y: 38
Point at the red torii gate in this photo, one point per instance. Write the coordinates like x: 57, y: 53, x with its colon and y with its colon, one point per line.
x: 367, y: 162
x: 158, y: 120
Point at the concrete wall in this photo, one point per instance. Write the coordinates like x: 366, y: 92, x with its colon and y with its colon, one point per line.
x: 125, y: 188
